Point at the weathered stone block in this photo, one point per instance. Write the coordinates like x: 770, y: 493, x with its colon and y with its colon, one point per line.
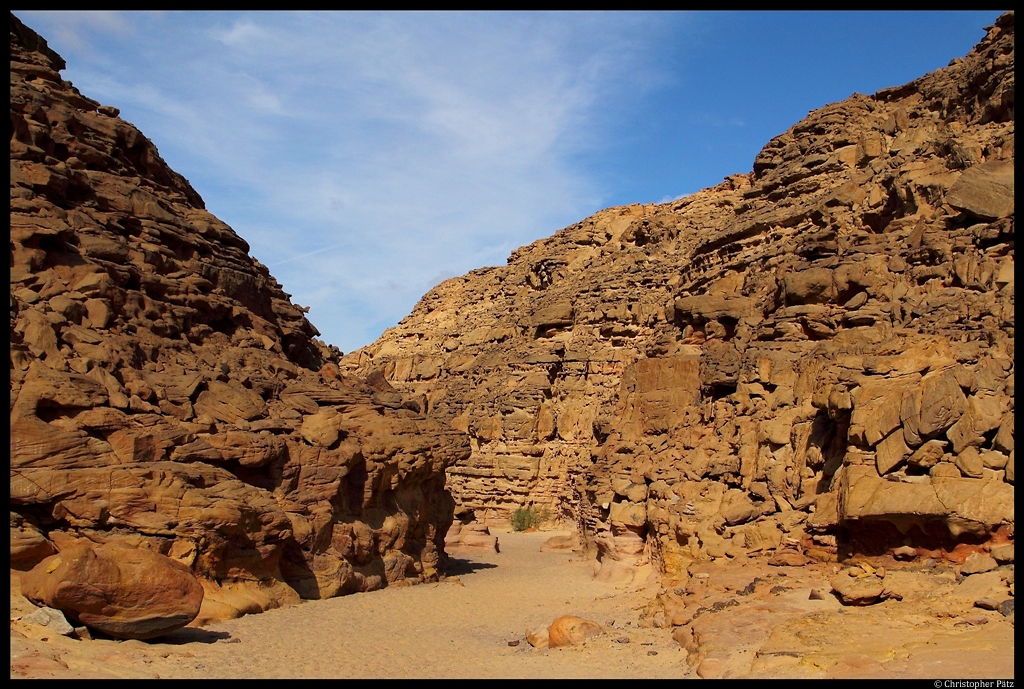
x: 984, y: 190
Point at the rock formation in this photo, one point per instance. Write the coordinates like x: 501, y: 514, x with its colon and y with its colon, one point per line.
x: 166, y: 394
x: 125, y: 592
x: 817, y: 354
x: 472, y: 537
x: 569, y: 630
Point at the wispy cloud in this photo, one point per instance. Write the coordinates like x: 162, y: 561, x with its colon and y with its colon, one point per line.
x: 667, y: 199
x: 366, y: 155
x: 305, y: 255
x: 242, y: 34
x: 72, y: 29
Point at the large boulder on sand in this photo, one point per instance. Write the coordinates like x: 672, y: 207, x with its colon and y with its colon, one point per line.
x: 470, y: 537
x: 127, y: 593
x: 569, y: 630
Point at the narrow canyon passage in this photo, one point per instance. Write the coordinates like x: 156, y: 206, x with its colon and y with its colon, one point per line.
x: 440, y: 630
x: 792, y: 393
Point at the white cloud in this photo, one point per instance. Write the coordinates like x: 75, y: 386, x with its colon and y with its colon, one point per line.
x: 668, y: 199
x: 242, y: 34
x: 70, y: 28
x: 368, y: 154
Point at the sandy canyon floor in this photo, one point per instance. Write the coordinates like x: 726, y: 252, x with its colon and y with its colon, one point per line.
x: 773, y: 627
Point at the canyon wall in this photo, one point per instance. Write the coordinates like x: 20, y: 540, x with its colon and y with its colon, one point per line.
x: 167, y: 394
x: 817, y: 354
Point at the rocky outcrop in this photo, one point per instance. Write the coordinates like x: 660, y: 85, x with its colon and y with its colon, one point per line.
x: 748, y: 619
x: 817, y: 355
x: 167, y: 395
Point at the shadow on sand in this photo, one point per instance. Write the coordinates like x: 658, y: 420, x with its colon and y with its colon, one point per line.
x: 191, y: 635
x: 457, y: 566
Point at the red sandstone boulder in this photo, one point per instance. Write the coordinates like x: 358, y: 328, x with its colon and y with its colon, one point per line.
x: 569, y: 630
x: 128, y: 593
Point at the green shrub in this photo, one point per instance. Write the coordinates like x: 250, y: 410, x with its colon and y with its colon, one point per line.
x: 529, y: 517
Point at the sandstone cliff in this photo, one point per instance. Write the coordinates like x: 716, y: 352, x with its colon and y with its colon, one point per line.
x: 166, y: 393
x: 817, y: 354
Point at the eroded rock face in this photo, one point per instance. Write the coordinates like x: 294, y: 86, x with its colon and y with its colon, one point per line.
x: 166, y: 394
x: 817, y: 354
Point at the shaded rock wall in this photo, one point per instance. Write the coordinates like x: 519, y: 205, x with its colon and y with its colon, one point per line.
x: 817, y: 353
x: 165, y: 392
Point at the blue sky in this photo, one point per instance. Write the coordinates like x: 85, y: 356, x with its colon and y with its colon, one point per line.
x: 365, y: 157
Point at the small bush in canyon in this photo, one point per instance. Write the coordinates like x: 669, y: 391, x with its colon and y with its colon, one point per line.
x: 529, y: 518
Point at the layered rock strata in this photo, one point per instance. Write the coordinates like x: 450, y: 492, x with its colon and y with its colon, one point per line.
x: 819, y: 353
x: 167, y: 394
